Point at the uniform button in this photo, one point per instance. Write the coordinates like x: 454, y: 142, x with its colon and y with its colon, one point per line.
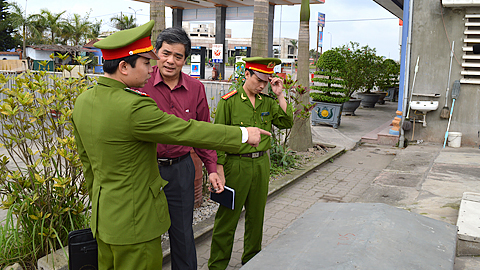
x: 241, y: 123
x: 255, y: 122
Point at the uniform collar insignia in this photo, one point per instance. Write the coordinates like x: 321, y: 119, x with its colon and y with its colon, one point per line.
x: 259, y: 97
x: 135, y: 91
x: 243, y: 97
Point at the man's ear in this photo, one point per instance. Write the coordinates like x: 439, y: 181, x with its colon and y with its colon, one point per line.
x: 123, y: 67
x: 247, y: 74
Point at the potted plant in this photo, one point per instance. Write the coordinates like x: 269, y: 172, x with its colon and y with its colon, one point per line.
x: 330, y: 96
x: 389, y: 78
x: 362, y: 70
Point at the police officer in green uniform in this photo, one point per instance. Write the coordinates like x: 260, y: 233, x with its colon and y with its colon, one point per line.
x: 116, y: 130
x: 248, y: 171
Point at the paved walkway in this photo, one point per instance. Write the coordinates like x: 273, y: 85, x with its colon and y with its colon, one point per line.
x: 424, y: 179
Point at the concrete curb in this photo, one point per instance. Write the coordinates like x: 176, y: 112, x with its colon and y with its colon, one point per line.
x: 204, y: 229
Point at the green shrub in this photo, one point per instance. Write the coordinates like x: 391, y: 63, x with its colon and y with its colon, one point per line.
x: 41, y: 180
x: 331, y: 65
x: 389, y: 75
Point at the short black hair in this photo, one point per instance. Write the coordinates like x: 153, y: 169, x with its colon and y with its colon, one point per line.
x: 111, y: 66
x: 174, y: 35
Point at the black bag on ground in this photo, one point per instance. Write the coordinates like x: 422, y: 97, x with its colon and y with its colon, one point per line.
x: 82, y: 250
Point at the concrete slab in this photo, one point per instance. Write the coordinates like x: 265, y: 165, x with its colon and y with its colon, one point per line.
x: 360, y: 236
x: 469, y: 225
x: 399, y: 179
x: 413, y: 161
x: 467, y: 156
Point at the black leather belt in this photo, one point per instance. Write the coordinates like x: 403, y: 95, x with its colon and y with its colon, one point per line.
x: 251, y: 155
x: 171, y: 161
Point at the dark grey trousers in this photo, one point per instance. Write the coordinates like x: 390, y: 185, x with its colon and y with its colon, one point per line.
x: 180, y: 197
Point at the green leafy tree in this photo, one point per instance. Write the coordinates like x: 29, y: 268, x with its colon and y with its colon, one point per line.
x: 122, y: 22
x: 331, y: 65
x: 362, y: 67
x: 41, y: 180
x: 7, y: 29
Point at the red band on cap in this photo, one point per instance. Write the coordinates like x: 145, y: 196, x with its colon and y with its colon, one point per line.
x: 260, y: 67
x: 139, y: 46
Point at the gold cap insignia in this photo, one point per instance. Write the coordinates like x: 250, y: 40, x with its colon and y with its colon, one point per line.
x: 271, y: 65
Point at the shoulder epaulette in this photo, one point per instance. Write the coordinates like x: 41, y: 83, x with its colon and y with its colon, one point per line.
x: 140, y: 93
x: 229, y: 94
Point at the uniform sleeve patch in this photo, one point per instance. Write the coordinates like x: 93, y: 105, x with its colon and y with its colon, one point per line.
x: 140, y: 93
x: 229, y: 94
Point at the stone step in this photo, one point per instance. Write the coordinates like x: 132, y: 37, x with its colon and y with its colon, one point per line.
x: 381, y: 135
x: 468, y: 224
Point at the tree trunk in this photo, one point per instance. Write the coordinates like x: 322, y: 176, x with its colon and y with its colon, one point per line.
x: 260, y: 26
x: 157, y: 13
x: 301, y: 136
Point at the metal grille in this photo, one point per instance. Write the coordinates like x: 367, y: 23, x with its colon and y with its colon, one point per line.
x: 471, y: 62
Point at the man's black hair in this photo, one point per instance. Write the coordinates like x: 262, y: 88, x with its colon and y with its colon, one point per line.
x: 174, y: 35
x: 111, y: 66
x: 249, y: 71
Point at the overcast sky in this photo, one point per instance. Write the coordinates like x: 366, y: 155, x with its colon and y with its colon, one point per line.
x: 361, y: 21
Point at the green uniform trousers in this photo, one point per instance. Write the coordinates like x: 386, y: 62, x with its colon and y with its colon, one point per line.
x: 249, y: 177
x: 146, y: 255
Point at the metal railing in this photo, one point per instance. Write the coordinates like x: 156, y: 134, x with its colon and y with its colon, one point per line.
x: 214, y: 90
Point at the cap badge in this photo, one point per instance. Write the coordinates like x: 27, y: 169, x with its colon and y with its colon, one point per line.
x: 130, y: 52
x: 271, y: 65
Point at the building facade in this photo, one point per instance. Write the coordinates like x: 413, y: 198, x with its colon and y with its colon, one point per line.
x: 203, y: 35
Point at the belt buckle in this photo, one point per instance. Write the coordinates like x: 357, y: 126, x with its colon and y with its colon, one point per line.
x: 171, y: 160
x: 255, y: 155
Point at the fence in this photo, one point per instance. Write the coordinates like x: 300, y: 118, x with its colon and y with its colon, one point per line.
x: 213, y: 90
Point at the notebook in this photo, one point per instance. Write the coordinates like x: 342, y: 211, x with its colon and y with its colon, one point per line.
x: 226, y: 198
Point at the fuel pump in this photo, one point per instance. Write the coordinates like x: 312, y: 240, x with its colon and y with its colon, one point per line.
x: 197, y: 62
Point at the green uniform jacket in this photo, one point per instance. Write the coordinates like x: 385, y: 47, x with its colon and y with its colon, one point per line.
x: 235, y: 109
x: 117, y: 132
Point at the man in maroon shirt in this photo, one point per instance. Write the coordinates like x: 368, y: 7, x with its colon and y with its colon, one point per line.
x: 177, y: 93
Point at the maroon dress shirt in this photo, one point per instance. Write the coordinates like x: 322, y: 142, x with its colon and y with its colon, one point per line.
x: 187, y: 101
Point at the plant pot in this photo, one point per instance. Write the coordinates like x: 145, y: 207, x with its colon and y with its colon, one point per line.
x: 392, y: 94
x: 350, y: 106
x: 381, y: 99
x: 368, y: 99
x: 327, y: 113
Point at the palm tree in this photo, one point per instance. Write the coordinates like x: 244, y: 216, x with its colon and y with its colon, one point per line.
x: 301, y: 136
x: 260, y: 23
x: 21, y: 21
x: 53, y: 22
x: 80, y: 29
x: 122, y: 22
x: 294, y: 44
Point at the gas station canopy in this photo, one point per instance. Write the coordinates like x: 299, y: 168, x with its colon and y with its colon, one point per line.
x: 393, y: 6
x: 197, y: 4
